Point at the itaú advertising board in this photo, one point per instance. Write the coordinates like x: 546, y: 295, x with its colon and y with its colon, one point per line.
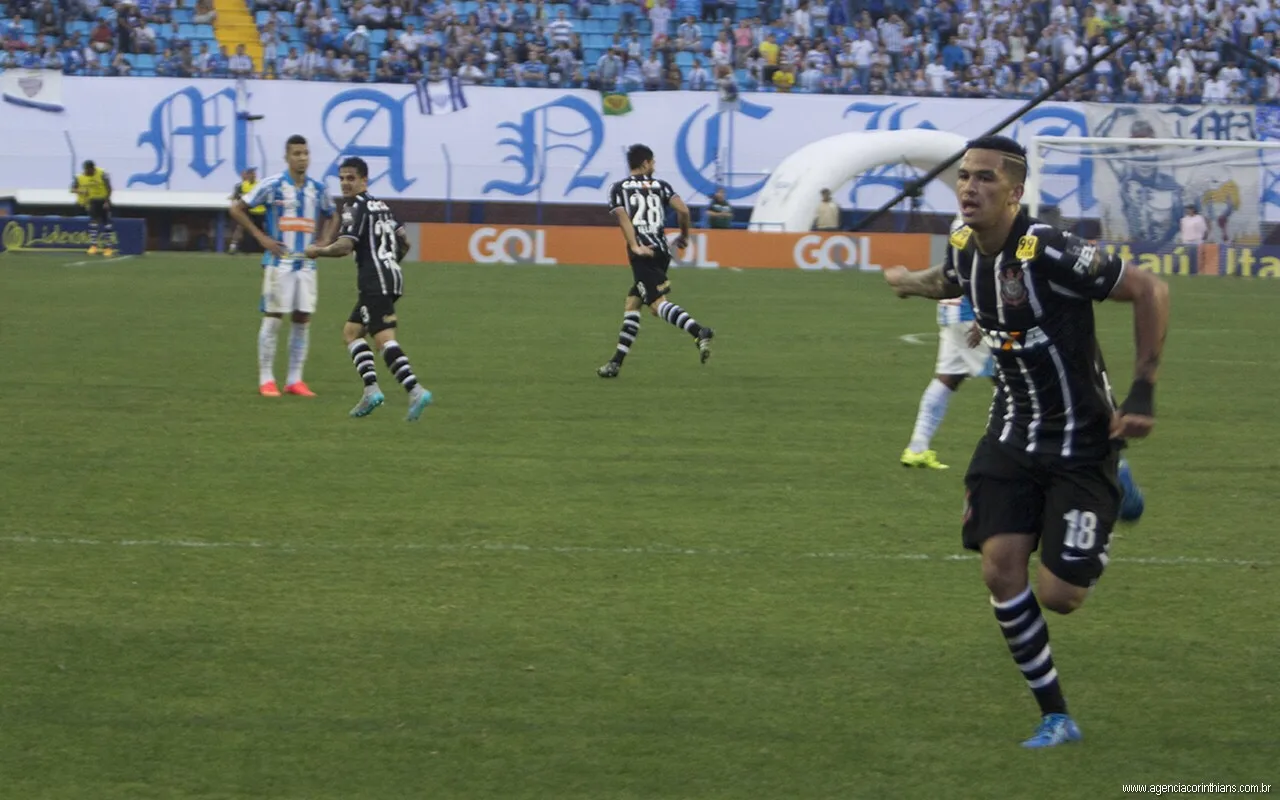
x: 553, y: 244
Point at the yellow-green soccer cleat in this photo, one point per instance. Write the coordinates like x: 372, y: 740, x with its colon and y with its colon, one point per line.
x: 926, y: 460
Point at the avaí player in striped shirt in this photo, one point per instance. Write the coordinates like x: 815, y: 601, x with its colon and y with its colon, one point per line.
x: 1045, y: 474
x: 296, y: 206
x: 640, y: 203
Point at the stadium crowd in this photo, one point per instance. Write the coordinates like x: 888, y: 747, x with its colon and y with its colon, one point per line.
x: 1212, y: 51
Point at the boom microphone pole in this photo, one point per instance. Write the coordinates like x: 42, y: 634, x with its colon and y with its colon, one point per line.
x: 915, y: 188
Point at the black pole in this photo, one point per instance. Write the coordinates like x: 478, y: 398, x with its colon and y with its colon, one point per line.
x: 916, y: 187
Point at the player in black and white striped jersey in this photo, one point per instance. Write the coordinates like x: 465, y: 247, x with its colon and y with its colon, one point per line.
x: 379, y: 241
x: 640, y: 202
x: 1045, y: 475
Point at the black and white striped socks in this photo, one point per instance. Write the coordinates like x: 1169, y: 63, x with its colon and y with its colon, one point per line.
x: 1027, y: 635
x: 627, y: 336
x: 674, y: 314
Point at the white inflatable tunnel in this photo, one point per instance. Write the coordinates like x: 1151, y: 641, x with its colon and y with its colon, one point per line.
x: 790, y: 197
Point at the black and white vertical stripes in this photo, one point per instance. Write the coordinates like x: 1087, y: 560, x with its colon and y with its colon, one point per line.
x: 362, y: 357
x: 1027, y: 634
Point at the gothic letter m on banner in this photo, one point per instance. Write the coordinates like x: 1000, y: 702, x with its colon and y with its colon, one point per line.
x: 186, y: 114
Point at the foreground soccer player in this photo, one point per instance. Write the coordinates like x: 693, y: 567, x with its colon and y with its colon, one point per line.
x: 1045, y: 472
x: 295, y: 206
x: 371, y: 231
x: 640, y: 203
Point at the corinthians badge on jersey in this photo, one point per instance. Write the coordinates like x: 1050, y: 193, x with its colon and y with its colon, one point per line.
x: 1013, y: 288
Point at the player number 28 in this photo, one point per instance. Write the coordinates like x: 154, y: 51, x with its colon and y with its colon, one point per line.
x: 1082, y: 530
x: 648, y: 214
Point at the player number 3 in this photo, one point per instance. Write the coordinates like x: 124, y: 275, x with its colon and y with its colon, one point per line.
x: 648, y: 214
x: 1082, y: 530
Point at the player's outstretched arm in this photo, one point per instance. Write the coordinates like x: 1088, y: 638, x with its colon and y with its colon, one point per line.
x: 338, y: 249
x: 924, y: 283
x: 1150, y: 298
x: 629, y: 231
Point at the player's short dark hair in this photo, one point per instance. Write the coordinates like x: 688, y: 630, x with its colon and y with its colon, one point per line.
x: 88, y: 165
x: 357, y: 164
x: 637, y: 154
x: 1015, y: 155
x: 297, y: 138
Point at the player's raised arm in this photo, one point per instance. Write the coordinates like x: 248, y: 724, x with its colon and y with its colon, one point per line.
x: 1150, y: 298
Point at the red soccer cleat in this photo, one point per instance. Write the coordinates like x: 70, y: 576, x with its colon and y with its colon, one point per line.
x: 300, y: 389
x: 269, y: 389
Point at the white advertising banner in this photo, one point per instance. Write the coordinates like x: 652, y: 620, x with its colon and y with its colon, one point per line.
x: 516, y: 145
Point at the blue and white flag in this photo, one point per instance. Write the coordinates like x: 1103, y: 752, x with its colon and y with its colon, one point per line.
x: 440, y: 97
x: 33, y: 88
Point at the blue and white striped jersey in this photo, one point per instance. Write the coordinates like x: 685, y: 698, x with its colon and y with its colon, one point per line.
x: 294, y: 214
x: 954, y: 310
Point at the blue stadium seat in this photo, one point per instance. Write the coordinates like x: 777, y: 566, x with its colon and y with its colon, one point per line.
x: 188, y: 31
x: 81, y: 27
x: 182, y: 14
x: 377, y: 37
x: 684, y: 60
x: 205, y: 32
x: 144, y: 63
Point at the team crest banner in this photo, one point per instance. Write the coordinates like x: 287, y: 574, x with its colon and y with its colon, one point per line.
x: 33, y: 88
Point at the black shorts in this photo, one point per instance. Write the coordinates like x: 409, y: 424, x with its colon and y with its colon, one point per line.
x: 649, y: 277
x: 376, y: 312
x: 1070, y: 506
x: 98, y: 211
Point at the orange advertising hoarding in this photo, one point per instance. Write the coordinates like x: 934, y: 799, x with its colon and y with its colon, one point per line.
x: 554, y: 244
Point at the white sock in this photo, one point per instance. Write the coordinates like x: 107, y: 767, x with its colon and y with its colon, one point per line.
x: 267, y: 349
x: 933, y: 407
x: 299, y: 337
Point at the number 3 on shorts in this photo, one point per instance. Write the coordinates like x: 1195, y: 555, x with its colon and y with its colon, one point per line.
x: 1082, y: 530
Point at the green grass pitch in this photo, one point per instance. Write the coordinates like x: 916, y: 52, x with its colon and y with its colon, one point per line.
x: 692, y: 582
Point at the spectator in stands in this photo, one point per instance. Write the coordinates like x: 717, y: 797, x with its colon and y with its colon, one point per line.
x: 205, y: 13
x: 15, y: 34
x: 660, y: 20
x: 699, y: 78
x: 357, y: 41
x: 241, y: 64
x: 48, y: 19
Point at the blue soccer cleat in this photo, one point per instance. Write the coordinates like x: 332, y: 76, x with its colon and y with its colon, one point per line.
x: 368, y: 403
x: 418, y: 402
x: 1132, y: 503
x: 1055, y: 729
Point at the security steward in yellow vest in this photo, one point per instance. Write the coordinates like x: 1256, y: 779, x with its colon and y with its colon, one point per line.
x: 248, y: 180
x: 93, y: 191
